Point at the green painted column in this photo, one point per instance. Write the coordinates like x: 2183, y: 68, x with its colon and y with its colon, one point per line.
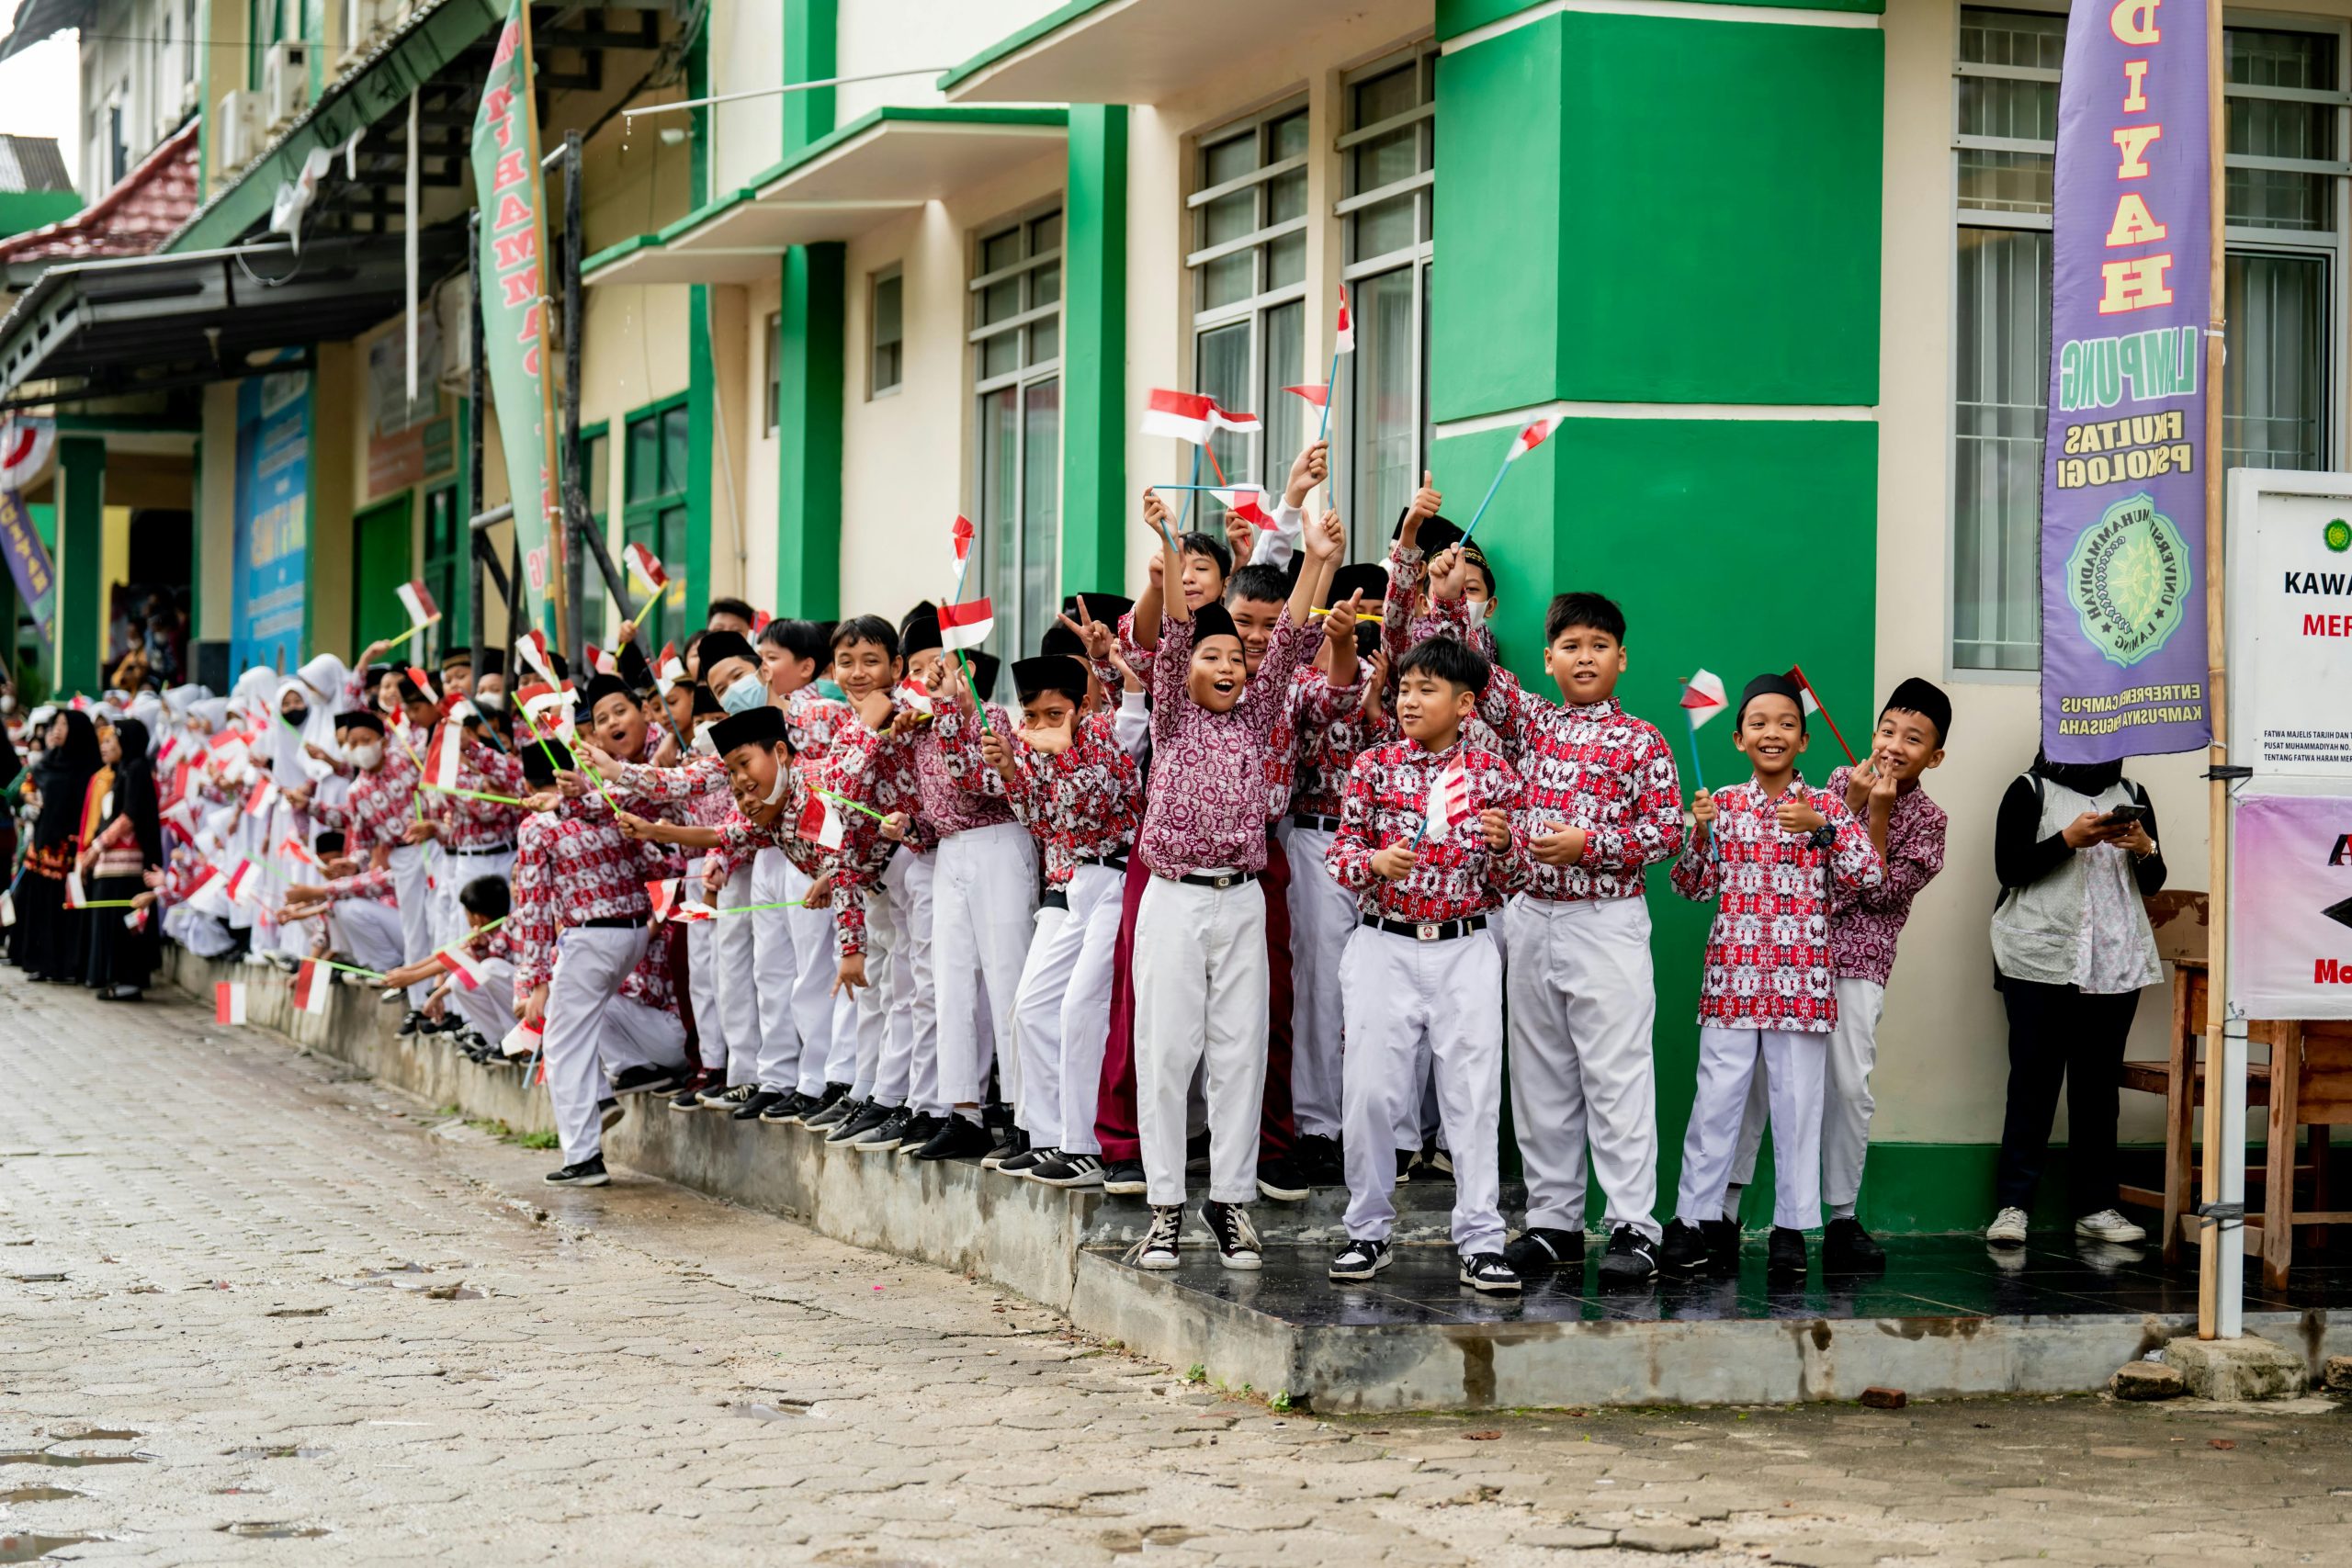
x: 812, y: 371
x: 810, y: 54
x: 81, y: 539
x: 1094, y: 351
x: 1661, y: 211
x: 702, y: 375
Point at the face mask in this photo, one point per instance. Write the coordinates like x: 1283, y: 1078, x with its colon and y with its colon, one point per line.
x: 745, y: 694
x: 704, y: 745
x: 295, y: 715
x: 1475, y: 611
x: 783, y: 783
x: 367, y: 758
x: 493, y: 701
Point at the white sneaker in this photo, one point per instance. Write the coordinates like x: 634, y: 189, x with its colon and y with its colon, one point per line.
x: 2108, y: 1225
x: 2007, y: 1228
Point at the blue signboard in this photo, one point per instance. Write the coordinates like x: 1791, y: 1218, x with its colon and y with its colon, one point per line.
x: 271, y: 585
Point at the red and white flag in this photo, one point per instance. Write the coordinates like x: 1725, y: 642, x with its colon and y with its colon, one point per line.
x: 1343, y: 341
x: 264, y: 796
x: 644, y: 566
x: 820, y: 824
x: 913, y: 696
x: 1449, y: 803
x: 960, y: 537
x: 600, y: 662
x: 1250, y: 505
x: 244, y: 884
x: 523, y: 1040
x: 418, y: 601
x: 1187, y: 416
x: 301, y: 854
x: 966, y: 625
x: 1804, y: 688
x: 424, y: 682
x: 1702, y: 696
x: 760, y: 619
x: 1224, y: 418
x: 1316, y: 393
x: 1534, y: 436
x: 463, y: 966
x: 444, y: 756
x: 663, y: 896
x: 532, y: 649
x: 314, y: 986
x: 229, y: 1002
x: 73, y: 899
x: 669, y: 669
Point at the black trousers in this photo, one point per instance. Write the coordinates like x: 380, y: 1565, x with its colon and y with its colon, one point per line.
x: 2059, y: 1035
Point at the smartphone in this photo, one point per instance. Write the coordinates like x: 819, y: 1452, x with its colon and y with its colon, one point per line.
x: 2130, y: 812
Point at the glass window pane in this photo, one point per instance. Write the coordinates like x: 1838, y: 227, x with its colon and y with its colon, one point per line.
x: 1041, y: 529
x: 1284, y: 414
x: 774, y: 391
x: 2269, y: 128
x: 1222, y: 371
x: 1046, y: 235
x: 1044, y: 341
x: 1000, y: 251
x: 1229, y: 278
x: 598, y: 464
x: 644, y: 476
x: 2274, y: 401
x: 1228, y: 218
x: 2002, y: 350
x: 1046, y: 286
x: 674, y: 443
x: 1287, y: 137
x: 1000, y: 354
x: 1383, y: 96
x: 999, y: 451
x: 1384, y: 228
x: 1386, y: 158
x: 1286, y: 197
x: 1385, y: 424
x: 1229, y: 160
x: 2004, y: 182
x: 1991, y: 106
x: 2266, y: 57
x: 889, y: 331
x: 1287, y: 261
x: 2032, y: 38
x: 1000, y: 300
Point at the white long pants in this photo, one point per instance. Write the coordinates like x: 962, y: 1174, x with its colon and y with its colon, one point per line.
x: 370, y: 932
x: 1846, y: 1102
x: 777, y: 963
x: 1794, y: 1067
x: 1199, y: 984
x: 982, y: 903
x: 884, y: 953
x: 702, y: 986
x: 413, y: 890
x: 1063, y: 1012
x: 590, y: 962
x: 451, y: 871
x: 908, y: 1072
x: 734, y: 962
x: 488, y: 1008
x: 636, y: 1035
x: 827, y: 1032
x: 1405, y: 996
x: 1322, y: 920
x: 1583, y: 1003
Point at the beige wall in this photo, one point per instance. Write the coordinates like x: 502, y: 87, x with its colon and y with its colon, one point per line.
x: 216, y: 510
x: 887, y: 35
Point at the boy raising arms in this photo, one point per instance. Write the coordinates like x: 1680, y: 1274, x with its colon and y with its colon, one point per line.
x: 1769, y: 851
x: 1427, y: 844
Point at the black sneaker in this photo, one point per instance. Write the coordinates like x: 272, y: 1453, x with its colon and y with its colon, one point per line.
x: 1024, y: 1162
x: 1723, y: 1239
x: 885, y: 1136
x: 1319, y: 1161
x: 1066, y: 1169
x: 1236, y: 1239
x: 1846, y: 1248
x: 840, y: 1112
x: 1125, y: 1178
x: 1361, y: 1260
x: 1486, y: 1273
x: 789, y: 1110
x: 835, y: 1094
x: 689, y: 1097
x: 921, y: 1127
x: 589, y: 1172
x: 725, y: 1098
x: 1157, y: 1248
x: 1541, y: 1249
x: 1283, y: 1180
x: 1632, y: 1259
x: 412, y: 1023
x: 855, y: 1127
x: 1012, y: 1145
x: 646, y: 1078
x: 957, y: 1139
x: 1685, y: 1249
x: 1784, y: 1257
x: 609, y: 1112
x: 751, y: 1110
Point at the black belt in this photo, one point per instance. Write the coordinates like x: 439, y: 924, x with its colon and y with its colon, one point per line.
x: 1320, y: 824
x: 1428, y: 930
x: 1055, y: 898
x: 1221, y: 880
x: 1113, y: 862
x: 487, y: 849
x: 609, y: 923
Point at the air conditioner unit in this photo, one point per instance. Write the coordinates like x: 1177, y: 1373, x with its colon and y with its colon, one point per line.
x: 236, y: 131
x: 365, y: 23
x: 285, y: 81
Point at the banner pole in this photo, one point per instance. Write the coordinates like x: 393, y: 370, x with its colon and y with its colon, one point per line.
x: 2220, y: 1255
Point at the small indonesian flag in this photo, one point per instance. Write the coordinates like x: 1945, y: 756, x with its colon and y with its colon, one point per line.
x: 243, y: 885
x: 418, y: 603
x: 965, y: 626
x: 229, y: 1002
x: 1315, y: 392
x: 1534, y: 436
x: 960, y: 539
x: 1187, y: 416
x: 540, y: 701
x: 1804, y: 688
x: 301, y: 854
x: 314, y: 986
x: 1702, y: 696
x: 601, y: 662
x: 1448, y: 805
x: 445, y: 755
x: 523, y: 1040
x: 532, y: 649
x: 1226, y: 419
x: 644, y: 566
x: 463, y: 966
x: 1250, y: 505
x: 669, y: 669
x: 663, y: 896
x: 73, y: 899
x: 424, y: 682
x: 760, y: 619
x: 820, y: 823
x: 1343, y: 341
x: 913, y: 696
x: 264, y: 796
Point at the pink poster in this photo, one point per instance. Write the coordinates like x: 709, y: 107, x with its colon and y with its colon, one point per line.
x: 2290, y: 906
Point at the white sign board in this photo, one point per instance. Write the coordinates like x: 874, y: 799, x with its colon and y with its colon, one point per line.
x: 2289, y: 619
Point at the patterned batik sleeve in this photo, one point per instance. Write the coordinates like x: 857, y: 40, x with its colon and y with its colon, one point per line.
x: 959, y: 748
x: 1913, y: 858
x: 1653, y: 827
x: 1854, y: 860
x: 1350, y: 856
x: 1503, y: 790
x: 364, y: 885
x: 1698, y: 876
x: 532, y: 917
x: 1396, y: 604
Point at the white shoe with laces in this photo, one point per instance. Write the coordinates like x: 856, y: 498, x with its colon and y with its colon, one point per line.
x: 2108, y: 1225
x: 2007, y: 1228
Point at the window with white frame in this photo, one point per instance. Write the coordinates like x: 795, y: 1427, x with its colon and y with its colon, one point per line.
x: 1016, y: 339
x: 1388, y: 163
x: 2284, y: 174
x: 1248, y: 267
x: 886, y: 326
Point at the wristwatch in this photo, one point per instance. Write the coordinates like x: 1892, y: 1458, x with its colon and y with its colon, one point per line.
x: 1821, y: 838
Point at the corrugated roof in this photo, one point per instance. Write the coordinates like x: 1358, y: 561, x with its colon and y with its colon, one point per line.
x: 39, y: 19
x: 32, y: 163
x: 131, y: 220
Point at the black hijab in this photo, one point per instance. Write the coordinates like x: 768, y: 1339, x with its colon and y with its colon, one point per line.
x: 2083, y: 778
x: 62, y: 775
x: 134, y: 789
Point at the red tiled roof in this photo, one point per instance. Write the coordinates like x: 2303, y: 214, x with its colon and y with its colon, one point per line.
x: 131, y: 220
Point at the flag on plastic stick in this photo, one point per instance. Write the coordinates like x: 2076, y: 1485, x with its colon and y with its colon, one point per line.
x: 1704, y: 697
x: 1223, y: 418
x: 265, y: 796
x: 663, y: 896
x: 601, y: 662
x: 532, y: 649
x: 229, y: 1002
x: 1186, y: 416
x: 965, y: 626
x: 913, y: 696
x: 1534, y: 436
x: 424, y: 682
x: 444, y: 756
x: 314, y: 986
x: 1449, y: 803
x: 1248, y: 505
x: 73, y: 899
x: 301, y: 854
x: 669, y: 669
x: 1811, y: 702
x: 463, y: 966
x: 243, y: 885
x: 523, y: 1040
x: 417, y: 600
x: 820, y: 824
x: 644, y: 566
x: 1317, y: 394
x: 960, y: 539
x: 1343, y: 339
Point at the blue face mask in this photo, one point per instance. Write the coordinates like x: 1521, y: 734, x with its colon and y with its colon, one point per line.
x: 745, y: 694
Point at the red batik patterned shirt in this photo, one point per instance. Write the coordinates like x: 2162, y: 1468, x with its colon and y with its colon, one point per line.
x: 573, y: 865
x: 1080, y: 803
x: 1596, y: 767
x: 1332, y: 732
x: 1863, y: 926
x: 1454, y: 874
x: 1206, y: 809
x: 468, y: 824
x: 378, y: 808
x: 1768, y: 956
x: 876, y: 768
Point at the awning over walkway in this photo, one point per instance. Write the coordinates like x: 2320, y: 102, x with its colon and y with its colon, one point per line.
x: 1127, y: 52
x: 39, y: 19
x: 887, y: 162
x: 151, y: 323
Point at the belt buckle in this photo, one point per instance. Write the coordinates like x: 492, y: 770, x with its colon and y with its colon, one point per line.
x: 1425, y: 932
x: 1222, y: 883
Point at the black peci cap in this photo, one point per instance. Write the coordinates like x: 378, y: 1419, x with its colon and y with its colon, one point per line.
x: 762, y: 725
x: 1049, y: 673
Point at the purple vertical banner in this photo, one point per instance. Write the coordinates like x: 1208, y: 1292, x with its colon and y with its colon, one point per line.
x: 29, y: 560
x: 2124, y: 654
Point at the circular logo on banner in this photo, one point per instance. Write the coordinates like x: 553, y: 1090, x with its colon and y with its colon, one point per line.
x: 2338, y: 535
x: 2129, y: 578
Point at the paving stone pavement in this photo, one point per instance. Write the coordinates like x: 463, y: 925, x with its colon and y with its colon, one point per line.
x: 317, y: 1321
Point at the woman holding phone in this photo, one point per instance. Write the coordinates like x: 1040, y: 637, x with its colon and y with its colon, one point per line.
x: 2075, y: 849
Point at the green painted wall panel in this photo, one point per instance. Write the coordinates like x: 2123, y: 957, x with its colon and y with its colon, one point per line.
x: 809, y: 445
x: 81, y: 541
x: 1456, y: 17
x: 811, y: 53
x: 1094, y: 351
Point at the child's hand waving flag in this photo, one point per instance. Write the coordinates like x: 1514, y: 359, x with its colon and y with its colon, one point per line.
x: 418, y: 601
x: 644, y: 566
